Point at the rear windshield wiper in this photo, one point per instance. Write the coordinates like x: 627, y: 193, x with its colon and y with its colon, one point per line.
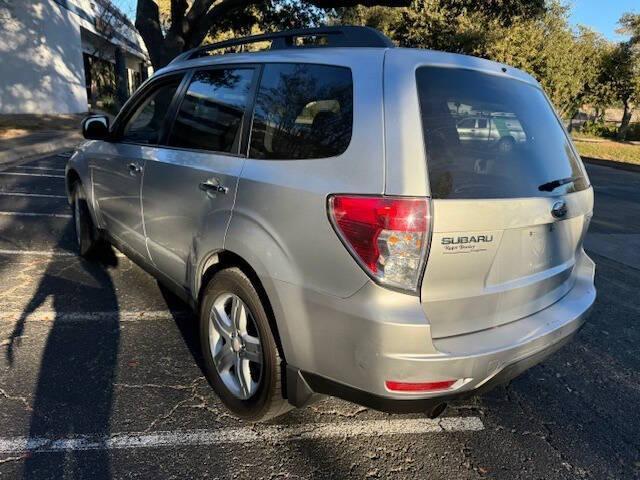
x: 552, y: 185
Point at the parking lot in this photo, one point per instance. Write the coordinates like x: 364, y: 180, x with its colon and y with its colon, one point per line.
x: 100, y: 374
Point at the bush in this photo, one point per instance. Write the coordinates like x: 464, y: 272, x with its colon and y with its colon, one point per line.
x: 634, y: 132
x: 108, y: 104
x: 599, y: 129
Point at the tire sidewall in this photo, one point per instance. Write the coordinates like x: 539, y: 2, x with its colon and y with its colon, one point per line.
x: 234, y: 281
x: 84, y: 237
x: 506, y: 144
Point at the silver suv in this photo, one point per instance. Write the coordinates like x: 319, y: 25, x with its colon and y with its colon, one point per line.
x: 317, y: 207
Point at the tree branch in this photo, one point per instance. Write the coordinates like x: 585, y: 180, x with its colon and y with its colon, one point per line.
x: 198, y: 9
x: 201, y: 27
x: 148, y: 24
x: 178, y: 11
x: 364, y: 3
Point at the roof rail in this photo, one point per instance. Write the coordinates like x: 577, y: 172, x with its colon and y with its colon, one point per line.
x: 340, y: 36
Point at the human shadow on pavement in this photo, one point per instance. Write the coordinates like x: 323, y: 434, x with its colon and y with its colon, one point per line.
x: 74, y: 391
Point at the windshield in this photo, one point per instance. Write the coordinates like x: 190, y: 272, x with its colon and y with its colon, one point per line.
x: 492, y: 137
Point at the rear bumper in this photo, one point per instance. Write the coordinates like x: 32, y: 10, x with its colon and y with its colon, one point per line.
x: 308, y: 385
x: 481, y: 360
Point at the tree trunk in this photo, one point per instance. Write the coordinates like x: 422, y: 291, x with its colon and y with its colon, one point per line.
x: 573, y: 114
x: 626, y: 121
x: 122, y: 79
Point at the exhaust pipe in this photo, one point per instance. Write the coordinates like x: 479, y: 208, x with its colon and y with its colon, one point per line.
x: 436, y: 411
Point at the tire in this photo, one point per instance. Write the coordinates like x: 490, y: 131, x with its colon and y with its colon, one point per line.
x: 88, y: 240
x: 241, y: 357
x: 506, y: 145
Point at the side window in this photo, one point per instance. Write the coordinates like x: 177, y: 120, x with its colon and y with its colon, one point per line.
x: 211, y: 113
x: 467, y: 123
x: 145, y: 125
x: 482, y: 123
x: 302, y: 111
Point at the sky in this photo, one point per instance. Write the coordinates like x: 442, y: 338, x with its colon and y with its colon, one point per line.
x: 601, y: 15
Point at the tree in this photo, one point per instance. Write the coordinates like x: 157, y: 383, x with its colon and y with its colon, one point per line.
x: 532, y: 35
x: 620, y: 77
x: 630, y: 25
x: 182, y: 24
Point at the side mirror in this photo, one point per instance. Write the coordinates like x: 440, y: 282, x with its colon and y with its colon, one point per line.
x: 96, y: 127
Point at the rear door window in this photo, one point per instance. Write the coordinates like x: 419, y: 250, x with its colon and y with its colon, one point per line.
x: 521, y: 147
x: 212, y: 111
x: 302, y: 111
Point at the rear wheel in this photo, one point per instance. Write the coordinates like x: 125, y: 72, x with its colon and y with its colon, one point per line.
x: 506, y: 144
x: 240, y: 353
x: 87, y: 237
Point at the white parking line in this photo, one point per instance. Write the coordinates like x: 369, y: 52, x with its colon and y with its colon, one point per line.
x: 23, y: 174
x: 38, y: 253
x: 122, y: 316
x: 28, y: 167
x: 34, y: 214
x: 48, y: 253
x: 311, y: 431
x: 38, y: 195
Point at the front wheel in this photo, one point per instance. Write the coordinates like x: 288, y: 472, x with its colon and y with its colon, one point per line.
x: 87, y: 237
x: 241, y: 357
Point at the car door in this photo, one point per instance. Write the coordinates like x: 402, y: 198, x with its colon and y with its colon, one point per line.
x: 466, y: 130
x: 481, y: 133
x: 118, y: 168
x: 190, y: 187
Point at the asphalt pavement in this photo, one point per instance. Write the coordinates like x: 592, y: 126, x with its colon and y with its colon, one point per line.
x: 100, y: 375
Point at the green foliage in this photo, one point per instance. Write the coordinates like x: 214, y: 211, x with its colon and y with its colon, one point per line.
x: 630, y: 25
x: 598, y: 128
x: 534, y: 36
x: 576, y: 67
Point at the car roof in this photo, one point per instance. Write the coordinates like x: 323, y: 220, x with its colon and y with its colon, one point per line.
x: 347, y: 56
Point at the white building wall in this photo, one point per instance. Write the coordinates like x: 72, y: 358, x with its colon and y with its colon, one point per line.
x: 41, y: 66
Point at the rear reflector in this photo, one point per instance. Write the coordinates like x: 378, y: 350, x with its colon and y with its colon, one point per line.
x: 419, y: 387
x: 388, y: 236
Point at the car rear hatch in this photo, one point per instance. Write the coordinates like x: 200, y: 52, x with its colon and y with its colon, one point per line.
x: 510, y: 208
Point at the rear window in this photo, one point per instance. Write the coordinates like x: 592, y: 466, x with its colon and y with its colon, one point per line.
x: 492, y: 137
x: 302, y: 111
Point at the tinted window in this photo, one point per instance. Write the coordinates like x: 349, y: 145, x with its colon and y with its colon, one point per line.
x: 146, y: 123
x: 521, y: 147
x: 302, y: 111
x: 482, y: 123
x: 210, y: 116
x: 467, y: 123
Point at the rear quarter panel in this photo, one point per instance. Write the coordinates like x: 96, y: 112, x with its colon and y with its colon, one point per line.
x: 280, y: 223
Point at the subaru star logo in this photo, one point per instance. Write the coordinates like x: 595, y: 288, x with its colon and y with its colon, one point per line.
x: 559, y: 210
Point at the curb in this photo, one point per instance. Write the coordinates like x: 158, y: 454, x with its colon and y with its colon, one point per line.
x: 630, y: 167
x: 66, y: 142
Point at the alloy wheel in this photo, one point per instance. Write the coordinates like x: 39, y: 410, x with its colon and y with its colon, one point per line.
x: 234, y: 342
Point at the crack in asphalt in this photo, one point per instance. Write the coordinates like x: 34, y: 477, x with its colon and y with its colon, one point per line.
x: 546, y: 434
x: 17, y: 398
x: 338, y: 413
x: 12, y: 459
x: 200, y: 400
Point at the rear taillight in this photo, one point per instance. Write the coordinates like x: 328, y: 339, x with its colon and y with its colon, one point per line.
x: 388, y: 236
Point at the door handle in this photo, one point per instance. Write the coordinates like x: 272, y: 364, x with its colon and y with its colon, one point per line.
x: 213, y: 185
x: 134, y: 168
